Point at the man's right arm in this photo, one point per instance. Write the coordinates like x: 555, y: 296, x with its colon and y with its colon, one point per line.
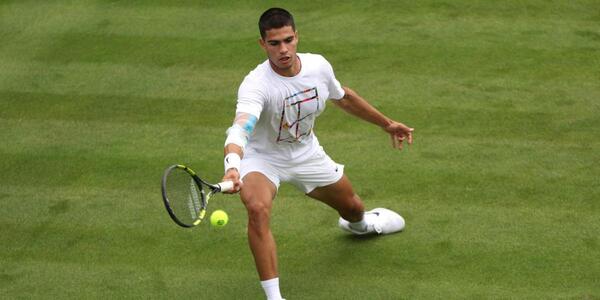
x: 237, y: 138
x: 232, y: 173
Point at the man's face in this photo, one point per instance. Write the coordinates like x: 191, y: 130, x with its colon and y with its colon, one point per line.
x: 280, y: 46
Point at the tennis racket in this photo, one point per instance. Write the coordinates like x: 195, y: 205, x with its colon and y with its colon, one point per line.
x: 185, y: 197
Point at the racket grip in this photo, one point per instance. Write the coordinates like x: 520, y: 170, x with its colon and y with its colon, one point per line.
x: 226, y: 186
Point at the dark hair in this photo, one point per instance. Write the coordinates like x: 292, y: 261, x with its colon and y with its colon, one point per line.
x: 274, y: 18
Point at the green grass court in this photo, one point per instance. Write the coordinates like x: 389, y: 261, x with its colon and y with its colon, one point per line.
x: 501, y: 191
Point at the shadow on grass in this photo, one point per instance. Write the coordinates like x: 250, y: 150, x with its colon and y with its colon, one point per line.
x: 352, y: 238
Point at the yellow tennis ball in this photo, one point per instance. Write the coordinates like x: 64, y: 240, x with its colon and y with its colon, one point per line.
x: 219, y: 218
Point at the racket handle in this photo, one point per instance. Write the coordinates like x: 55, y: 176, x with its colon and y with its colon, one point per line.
x: 226, y: 186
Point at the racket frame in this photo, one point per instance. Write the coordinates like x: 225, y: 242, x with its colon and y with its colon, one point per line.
x: 204, y: 197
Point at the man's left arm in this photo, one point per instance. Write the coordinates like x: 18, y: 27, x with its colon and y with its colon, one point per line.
x: 357, y: 106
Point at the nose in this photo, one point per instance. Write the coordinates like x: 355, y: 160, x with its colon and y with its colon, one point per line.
x: 283, y: 49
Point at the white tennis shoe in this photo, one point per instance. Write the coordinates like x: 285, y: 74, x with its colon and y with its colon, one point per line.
x: 379, y: 221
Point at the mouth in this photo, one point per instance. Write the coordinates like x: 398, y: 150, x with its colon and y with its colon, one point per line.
x: 285, y: 59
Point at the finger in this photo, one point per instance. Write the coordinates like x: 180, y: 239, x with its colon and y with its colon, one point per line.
x: 410, y: 136
x: 394, y: 141
x: 401, y: 139
x: 397, y: 141
x: 237, y: 184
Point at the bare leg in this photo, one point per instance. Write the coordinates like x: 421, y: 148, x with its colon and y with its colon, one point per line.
x: 342, y: 198
x: 257, y: 195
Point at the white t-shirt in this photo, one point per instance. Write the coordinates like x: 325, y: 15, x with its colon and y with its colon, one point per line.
x: 286, y: 107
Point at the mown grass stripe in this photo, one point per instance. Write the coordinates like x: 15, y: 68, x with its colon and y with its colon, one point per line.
x: 119, y: 80
x: 499, y: 192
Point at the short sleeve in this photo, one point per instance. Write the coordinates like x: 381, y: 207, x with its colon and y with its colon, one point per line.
x: 251, y: 98
x: 335, y: 88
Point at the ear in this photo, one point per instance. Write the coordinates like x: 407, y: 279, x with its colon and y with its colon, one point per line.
x: 262, y: 44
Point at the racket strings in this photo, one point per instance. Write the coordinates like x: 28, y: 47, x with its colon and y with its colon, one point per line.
x: 184, y: 196
x: 194, y: 199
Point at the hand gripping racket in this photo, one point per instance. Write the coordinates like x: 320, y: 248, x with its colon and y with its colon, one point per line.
x: 185, y: 197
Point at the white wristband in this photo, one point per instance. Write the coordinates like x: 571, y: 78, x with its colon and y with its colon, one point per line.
x: 232, y: 160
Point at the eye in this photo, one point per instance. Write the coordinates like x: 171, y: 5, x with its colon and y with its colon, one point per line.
x: 289, y: 40
x: 274, y: 43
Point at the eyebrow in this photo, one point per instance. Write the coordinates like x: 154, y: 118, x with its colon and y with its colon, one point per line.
x: 278, y: 41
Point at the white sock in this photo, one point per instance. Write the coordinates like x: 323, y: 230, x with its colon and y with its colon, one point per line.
x: 360, y: 225
x: 271, y: 288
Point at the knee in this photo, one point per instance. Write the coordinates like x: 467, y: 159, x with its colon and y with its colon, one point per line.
x: 258, y: 213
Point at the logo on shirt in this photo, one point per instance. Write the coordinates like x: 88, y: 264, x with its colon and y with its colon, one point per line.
x: 298, y: 115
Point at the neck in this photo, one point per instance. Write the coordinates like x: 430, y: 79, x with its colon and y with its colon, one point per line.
x: 288, y: 72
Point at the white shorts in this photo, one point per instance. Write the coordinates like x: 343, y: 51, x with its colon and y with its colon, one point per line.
x: 306, y: 175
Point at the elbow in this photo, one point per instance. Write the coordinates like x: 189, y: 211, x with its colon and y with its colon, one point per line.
x: 346, y: 102
x: 348, y: 93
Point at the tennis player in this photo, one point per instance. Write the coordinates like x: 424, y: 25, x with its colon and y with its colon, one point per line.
x: 272, y: 141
